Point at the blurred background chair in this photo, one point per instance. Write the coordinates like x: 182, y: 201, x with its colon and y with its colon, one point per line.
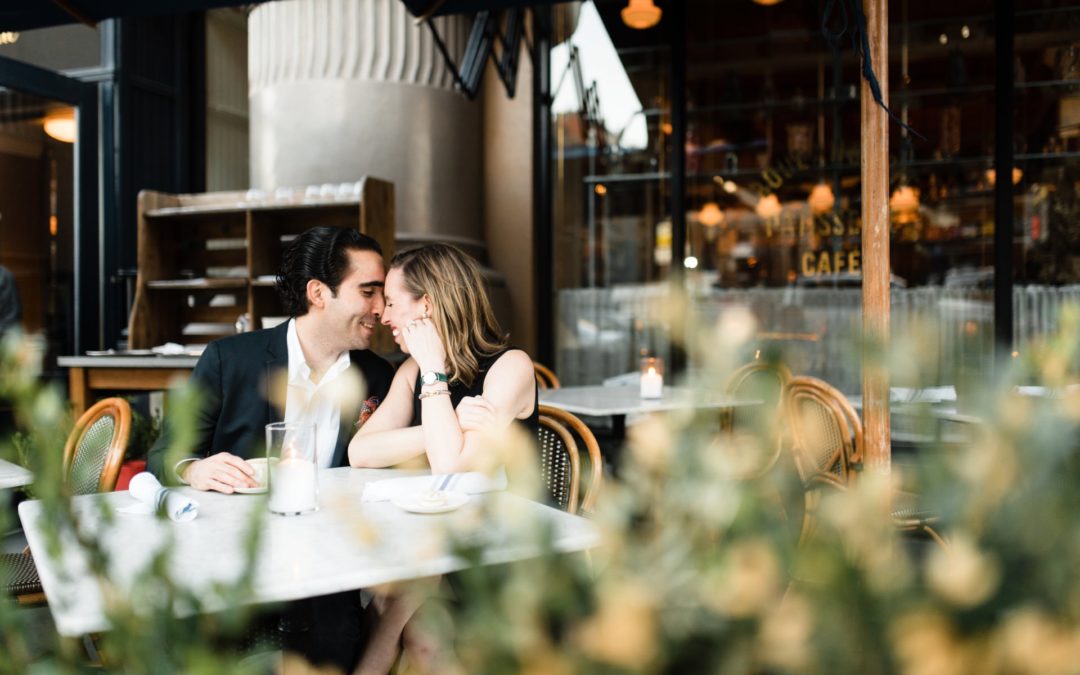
x: 545, y: 377
x: 759, y: 380
x: 93, y: 454
x: 827, y: 444
x: 753, y: 432
x: 560, y: 459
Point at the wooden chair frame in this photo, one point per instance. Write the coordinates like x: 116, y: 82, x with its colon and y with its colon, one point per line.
x: 849, y: 455
x: 120, y: 411
x: 731, y: 388
x: 743, y: 373
x: 545, y: 377
x: 563, y: 423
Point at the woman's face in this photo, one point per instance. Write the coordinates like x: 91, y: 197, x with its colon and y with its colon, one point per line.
x: 401, y: 306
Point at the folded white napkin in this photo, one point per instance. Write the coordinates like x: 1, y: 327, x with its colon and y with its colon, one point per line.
x: 169, y: 349
x: 472, y: 483
x: 151, y: 496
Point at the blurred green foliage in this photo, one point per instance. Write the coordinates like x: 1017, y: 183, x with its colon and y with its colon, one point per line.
x: 702, y: 569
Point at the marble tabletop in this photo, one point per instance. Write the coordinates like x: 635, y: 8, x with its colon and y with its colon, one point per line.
x: 941, y: 410
x: 601, y: 400
x: 13, y: 475
x: 345, y: 545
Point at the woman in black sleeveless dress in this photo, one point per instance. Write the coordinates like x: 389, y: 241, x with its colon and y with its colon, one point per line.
x: 461, y: 377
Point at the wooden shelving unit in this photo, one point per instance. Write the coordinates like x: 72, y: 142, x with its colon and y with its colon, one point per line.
x: 207, y: 259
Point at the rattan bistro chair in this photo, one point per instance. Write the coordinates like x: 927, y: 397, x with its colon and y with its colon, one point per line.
x: 560, y: 459
x: 93, y: 454
x: 545, y: 377
x: 827, y: 442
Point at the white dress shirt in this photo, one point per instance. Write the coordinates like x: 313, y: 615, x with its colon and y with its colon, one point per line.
x: 309, y: 402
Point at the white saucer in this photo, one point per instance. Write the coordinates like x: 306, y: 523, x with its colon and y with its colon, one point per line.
x: 415, y: 504
x: 250, y: 491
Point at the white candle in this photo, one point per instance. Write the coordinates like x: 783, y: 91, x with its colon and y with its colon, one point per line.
x: 292, y: 486
x: 652, y: 384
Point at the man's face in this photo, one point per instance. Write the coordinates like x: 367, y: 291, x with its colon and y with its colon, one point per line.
x: 350, y: 318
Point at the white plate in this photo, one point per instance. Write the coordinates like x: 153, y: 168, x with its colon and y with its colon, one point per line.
x: 250, y: 491
x: 415, y: 503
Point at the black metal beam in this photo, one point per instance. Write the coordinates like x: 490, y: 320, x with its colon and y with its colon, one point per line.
x: 1004, y: 86
x: 543, y: 227
x: 676, y: 25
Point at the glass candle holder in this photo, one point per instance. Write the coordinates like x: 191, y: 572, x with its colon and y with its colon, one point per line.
x: 293, y: 471
x: 652, y: 377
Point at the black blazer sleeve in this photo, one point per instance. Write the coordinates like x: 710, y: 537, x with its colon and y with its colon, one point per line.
x: 208, y: 382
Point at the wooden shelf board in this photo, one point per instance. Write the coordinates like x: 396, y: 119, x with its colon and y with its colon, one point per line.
x: 240, y: 207
x: 196, y: 284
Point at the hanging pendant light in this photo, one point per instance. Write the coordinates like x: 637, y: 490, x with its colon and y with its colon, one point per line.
x: 641, y: 14
x: 821, y: 199
x: 710, y: 215
x: 768, y: 207
x: 1017, y: 174
x: 61, y: 125
x: 767, y: 3
x: 904, y: 204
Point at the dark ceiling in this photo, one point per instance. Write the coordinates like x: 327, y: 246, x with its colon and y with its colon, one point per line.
x: 20, y: 15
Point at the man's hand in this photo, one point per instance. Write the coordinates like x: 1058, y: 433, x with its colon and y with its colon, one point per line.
x: 475, y: 413
x: 223, y: 472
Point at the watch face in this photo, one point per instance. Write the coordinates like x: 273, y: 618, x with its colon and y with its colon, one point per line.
x: 431, y: 377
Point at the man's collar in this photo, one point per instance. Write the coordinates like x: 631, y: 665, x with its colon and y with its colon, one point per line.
x: 299, y: 369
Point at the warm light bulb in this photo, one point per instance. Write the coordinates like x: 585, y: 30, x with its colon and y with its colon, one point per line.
x: 61, y: 125
x: 821, y: 199
x: 641, y: 14
x: 768, y: 206
x: 1017, y: 174
x: 904, y: 203
x: 710, y: 215
x: 768, y: 3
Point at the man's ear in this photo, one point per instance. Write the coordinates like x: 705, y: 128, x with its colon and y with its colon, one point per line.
x: 316, y: 293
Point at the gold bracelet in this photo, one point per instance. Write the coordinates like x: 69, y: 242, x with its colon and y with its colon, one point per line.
x: 437, y: 392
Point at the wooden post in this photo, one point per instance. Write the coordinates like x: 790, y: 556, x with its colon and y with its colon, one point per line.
x: 875, y: 245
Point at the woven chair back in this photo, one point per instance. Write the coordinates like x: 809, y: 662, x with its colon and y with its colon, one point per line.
x: 561, y: 460
x: 96, y: 447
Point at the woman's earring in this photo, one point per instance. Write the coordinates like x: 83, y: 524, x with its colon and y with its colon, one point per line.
x: 425, y: 313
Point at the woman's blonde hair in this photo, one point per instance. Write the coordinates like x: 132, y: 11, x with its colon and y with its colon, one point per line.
x: 461, y: 310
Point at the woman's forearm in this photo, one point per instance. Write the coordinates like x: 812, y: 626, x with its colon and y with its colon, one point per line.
x: 443, y: 438
x: 386, y: 448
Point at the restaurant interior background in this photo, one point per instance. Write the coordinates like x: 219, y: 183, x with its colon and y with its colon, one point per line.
x: 770, y: 183
x: 772, y: 180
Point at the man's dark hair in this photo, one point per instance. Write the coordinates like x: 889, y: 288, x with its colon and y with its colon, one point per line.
x: 318, y: 253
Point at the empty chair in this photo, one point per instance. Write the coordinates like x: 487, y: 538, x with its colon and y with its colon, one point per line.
x: 560, y: 460
x: 827, y: 444
x: 545, y: 377
x: 93, y: 454
x: 761, y: 381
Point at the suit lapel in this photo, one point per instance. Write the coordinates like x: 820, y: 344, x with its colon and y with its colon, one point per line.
x: 277, y: 372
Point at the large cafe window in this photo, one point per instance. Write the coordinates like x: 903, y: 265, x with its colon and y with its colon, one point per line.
x: 773, y: 191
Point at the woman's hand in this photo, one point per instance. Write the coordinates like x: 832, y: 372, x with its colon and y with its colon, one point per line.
x: 475, y: 413
x: 424, y: 345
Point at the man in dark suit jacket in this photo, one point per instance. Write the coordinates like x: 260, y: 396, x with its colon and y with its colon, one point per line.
x: 330, y: 283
